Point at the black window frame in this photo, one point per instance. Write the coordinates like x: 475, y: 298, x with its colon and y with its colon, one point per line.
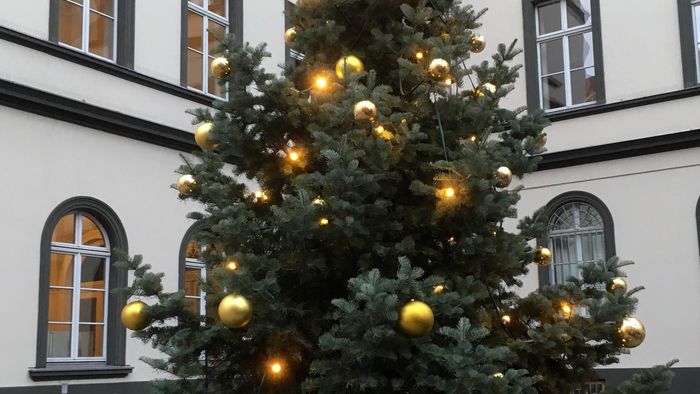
x: 585, y: 198
x: 190, y: 234
x: 532, y: 63
x: 115, y: 364
x: 235, y: 20
x: 687, y: 42
x: 125, y: 31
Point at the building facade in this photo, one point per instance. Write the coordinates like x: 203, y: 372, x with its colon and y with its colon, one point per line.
x: 93, y: 95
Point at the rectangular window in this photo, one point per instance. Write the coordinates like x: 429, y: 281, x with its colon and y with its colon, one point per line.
x: 590, y: 388
x: 565, y: 54
x: 89, y: 26
x: 195, y: 274
x: 696, y: 41
x: 207, y: 23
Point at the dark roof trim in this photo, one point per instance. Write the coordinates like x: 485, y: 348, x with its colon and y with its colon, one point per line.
x: 621, y: 150
x: 626, y: 104
x: 101, y: 65
x: 57, y: 107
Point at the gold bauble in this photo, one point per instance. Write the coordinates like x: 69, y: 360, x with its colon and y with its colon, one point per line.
x: 220, y: 67
x: 617, y: 283
x: 202, y: 136
x: 348, y: 66
x: 632, y: 332
x: 186, y: 184
x: 365, y: 110
x: 542, y: 141
x: 543, y: 256
x: 235, y: 311
x: 478, y: 43
x: 290, y: 35
x: 439, y: 68
x: 503, y: 177
x: 416, y: 319
x: 133, y: 316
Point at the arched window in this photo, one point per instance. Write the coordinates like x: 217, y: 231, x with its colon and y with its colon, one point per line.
x: 79, y: 332
x: 580, y: 229
x: 193, y: 270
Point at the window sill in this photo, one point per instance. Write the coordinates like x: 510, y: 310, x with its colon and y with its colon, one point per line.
x: 64, y: 371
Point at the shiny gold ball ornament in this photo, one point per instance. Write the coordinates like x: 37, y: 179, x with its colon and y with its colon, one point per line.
x: 202, y: 136
x: 220, y: 68
x: 290, y: 35
x: 543, y: 257
x: 134, y: 317
x: 503, y: 177
x: 416, y: 319
x: 542, y: 141
x: 348, y: 65
x: 439, y: 68
x: 186, y: 184
x: 478, y: 43
x: 235, y: 311
x: 632, y: 332
x: 365, y: 110
x: 617, y: 283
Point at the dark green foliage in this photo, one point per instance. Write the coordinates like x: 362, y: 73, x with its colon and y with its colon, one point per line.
x: 326, y: 298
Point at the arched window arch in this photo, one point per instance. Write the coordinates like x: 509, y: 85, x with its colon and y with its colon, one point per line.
x: 579, y: 229
x: 79, y: 332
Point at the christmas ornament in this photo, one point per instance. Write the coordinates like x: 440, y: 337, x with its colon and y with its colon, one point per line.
x: 632, y: 332
x: 133, y: 316
x: 235, y: 311
x: 365, y: 110
x: 202, y: 136
x: 348, y: 65
x: 416, y: 319
x: 220, y: 67
x: 503, y: 177
x: 439, y: 68
x: 617, y: 283
x: 478, y: 43
x: 542, y: 141
x: 290, y: 35
x: 186, y: 184
x: 543, y: 257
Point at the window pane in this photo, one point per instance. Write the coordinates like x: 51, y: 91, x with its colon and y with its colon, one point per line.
x: 194, y: 69
x: 218, y: 7
x: 61, y: 271
x: 101, y: 35
x: 194, y: 250
x: 92, y: 306
x: 193, y: 277
x: 103, y: 6
x: 549, y: 17
x: 552, y: 56
x: 58, y: 340
x: 92, y: 273
x: 578, y: 12
x: 553, y: 91
x: 198, y: 2
x: 60, y: 305
x: 581, y: 50
x: 92, y: 235
x: 70, y: 24
x: 65, y: 230
x: 194, y: 305
x: 90, y: 340
x: 217, y: 32
x: 583, y: 86
x: 213, y: 86
x: 195, y: 28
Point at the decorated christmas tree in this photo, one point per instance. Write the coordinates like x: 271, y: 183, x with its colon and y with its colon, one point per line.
x: 371, y: 254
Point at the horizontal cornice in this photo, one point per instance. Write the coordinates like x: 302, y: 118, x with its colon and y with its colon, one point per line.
x: 102, y: 66
x: 61, y: 108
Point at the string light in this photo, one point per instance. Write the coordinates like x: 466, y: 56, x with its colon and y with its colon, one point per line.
x: 473, y: 138
x: 438, y: 289
x: 318, y: 201
x: 321, y: 82
x: 567, y: 309
x: 451, y: 240
x: 324, y: 221
x: 506, y: 319
x: 447, y: 81
x: 275, y: 367
x: 383, y: 132
x: 419, y: 55
x: 498, y: 375
x: 232, y: 265
x: 449, y: 192
x: 261, y: 196
x: 294, y: 155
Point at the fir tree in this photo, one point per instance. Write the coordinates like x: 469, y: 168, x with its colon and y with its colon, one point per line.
x: 358, y: 213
